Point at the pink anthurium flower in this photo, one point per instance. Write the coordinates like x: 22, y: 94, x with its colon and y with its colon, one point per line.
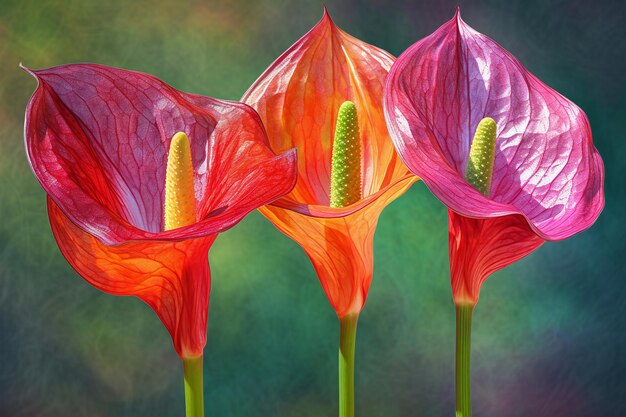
x: 140, y: 179
x: 529, y: 174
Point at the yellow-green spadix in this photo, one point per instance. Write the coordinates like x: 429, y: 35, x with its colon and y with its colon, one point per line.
x: 482, y: 155
x: 345, y: 183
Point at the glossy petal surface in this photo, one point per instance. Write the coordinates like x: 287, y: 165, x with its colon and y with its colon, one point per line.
x: 340, y: 248
x: 98, y: 138
x: 547, y: 178
x: 546, y: 167
x: 480, y: 247
x: 171, y: 277
x: 298, y: 97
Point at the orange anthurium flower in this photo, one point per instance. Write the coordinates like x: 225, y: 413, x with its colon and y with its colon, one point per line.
x: 298, y: 98
x: 140, y: 179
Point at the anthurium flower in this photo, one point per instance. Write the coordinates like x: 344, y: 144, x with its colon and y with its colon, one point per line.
x: 327, y: 86
x: 511, y: 158
x: 105, y: 144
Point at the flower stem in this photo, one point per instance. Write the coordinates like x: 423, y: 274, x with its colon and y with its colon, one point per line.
x: 347, y: 339
x: 463, y: 336
x: 194, y: 397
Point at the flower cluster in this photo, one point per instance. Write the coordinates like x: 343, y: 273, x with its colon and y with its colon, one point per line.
x: 141, y: 177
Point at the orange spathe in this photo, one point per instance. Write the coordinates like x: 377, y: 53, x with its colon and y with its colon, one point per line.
x: 298, y: 98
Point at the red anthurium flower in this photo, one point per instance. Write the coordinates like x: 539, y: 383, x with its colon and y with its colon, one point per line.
x: 299, y: 98
x: 98, y: 140
x: 540, y: 177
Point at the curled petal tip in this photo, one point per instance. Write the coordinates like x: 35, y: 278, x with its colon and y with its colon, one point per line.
x: 28, y: 71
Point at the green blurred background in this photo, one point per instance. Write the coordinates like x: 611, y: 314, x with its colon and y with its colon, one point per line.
x: 549, y: 335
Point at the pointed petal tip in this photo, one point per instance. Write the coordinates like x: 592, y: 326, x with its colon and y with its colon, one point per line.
x: 326, y: 19
x: 326, y: 14
x: 457, y: 19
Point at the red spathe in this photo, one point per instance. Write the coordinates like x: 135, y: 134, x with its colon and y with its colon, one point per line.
x: 97, y: 139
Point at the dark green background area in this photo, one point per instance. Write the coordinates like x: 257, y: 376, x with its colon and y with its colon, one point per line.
x: 549, y: 334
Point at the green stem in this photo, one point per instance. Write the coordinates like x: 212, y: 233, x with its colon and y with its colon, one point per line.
x: 463, y: 337
x: 194, y: 397
x: 347, y: 339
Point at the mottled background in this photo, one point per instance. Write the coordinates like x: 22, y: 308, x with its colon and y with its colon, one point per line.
x: 549, y: 335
